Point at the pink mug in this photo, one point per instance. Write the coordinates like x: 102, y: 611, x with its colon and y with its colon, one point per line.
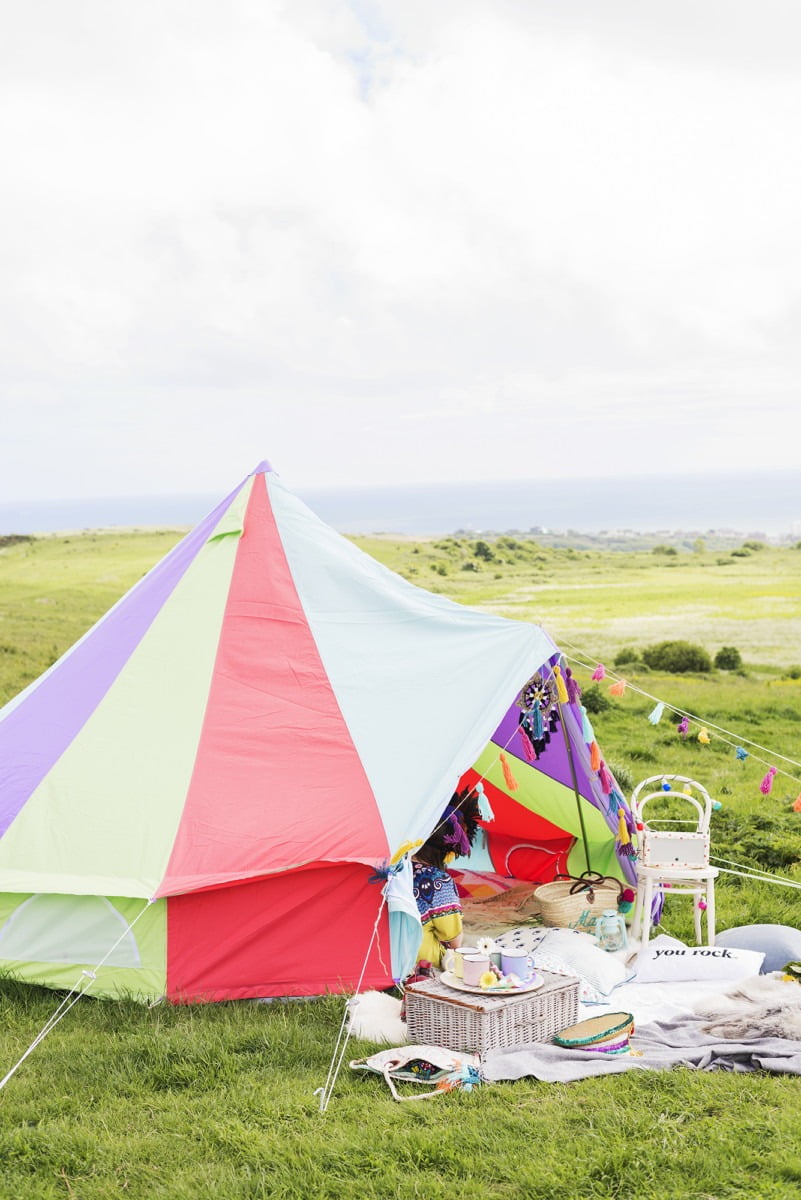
x: 474, y: 967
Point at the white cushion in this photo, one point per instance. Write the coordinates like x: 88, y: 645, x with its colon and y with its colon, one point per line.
x: 601, y: 969
x: 667, y: 960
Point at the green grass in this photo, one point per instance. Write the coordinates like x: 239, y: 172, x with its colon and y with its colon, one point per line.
x: 126, y: 1101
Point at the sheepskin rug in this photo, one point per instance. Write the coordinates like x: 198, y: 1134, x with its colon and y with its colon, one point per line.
x: 761, y: 1007
x: 376, y: 1017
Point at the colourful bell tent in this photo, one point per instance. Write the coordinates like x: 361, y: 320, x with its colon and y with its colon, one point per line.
x: 202, y: 798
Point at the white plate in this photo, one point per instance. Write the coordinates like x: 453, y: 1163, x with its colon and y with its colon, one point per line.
x: 528, y: 985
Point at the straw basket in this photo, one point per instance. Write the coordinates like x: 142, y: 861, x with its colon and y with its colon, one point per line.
x: 576, y: 902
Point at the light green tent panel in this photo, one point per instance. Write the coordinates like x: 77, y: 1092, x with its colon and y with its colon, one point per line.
x: 54, y: 939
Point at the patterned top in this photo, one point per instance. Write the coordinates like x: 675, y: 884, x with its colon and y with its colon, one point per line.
x: 440, y: 910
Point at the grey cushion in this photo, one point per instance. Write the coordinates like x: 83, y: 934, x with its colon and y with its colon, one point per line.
x: 779, y: 943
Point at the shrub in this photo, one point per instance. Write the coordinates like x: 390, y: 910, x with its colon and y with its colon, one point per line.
x: 741, y: 553
x: 677, y: 657
x: 728, y: 658
x: 484, y: 550
x: 793, y: 672
x: 754, y: 545
x: 627, y: 655
x: 664, y: 549
x: 594, y: 700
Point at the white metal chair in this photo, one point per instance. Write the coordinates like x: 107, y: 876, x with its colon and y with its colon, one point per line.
x: 673, y: 854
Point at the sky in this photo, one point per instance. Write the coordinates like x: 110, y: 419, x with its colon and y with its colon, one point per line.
x: 396, y: 241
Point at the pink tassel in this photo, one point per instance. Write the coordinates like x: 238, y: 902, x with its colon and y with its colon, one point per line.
x: 528, y: 748
x: 511, y: 782
x: 599, y: 672
x: 607, y: 782
x: 767, y: 783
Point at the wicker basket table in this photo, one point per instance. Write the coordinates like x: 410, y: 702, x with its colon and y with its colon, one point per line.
x: 437, y: 1015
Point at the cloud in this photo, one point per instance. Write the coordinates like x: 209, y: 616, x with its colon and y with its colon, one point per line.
x: 383, y: 238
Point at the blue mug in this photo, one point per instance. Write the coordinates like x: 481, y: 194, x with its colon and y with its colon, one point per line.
x: 517, y: 962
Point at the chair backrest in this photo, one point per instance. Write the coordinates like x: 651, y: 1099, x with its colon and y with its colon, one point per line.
x: 686, y: 845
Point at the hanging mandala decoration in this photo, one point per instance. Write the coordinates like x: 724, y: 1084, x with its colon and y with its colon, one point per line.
x: 539, y: 717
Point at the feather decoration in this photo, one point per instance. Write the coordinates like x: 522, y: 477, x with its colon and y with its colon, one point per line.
x: 599, y: 672
x: 511, y: 782
x: 656, y: 716
x: 767, y: 783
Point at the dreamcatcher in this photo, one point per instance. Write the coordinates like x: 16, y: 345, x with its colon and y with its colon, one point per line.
x: 539, y: 717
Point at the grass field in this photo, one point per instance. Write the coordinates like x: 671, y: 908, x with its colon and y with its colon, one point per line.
x: 125, y: 1101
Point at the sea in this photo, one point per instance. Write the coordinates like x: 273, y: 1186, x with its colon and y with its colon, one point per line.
x: 758, y: 504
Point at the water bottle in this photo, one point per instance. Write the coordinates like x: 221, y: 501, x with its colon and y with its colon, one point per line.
x: 611, y: 930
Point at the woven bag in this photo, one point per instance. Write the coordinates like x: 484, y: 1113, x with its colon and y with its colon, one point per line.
x: 576, y: 902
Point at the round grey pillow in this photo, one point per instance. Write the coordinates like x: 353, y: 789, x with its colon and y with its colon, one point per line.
x: 779, y: 943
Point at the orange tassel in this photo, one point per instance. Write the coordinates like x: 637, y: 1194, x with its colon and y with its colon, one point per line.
x: 561, y: 686
x: 595, y: 756
x: 617, y: 689
x: 797, y: 805
x: 511, y: 782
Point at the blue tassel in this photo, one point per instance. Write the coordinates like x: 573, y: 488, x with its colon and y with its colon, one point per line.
x: 484, y: 806
x: 616, y: 801
x: 656, y: 716
x: 536, y: 721
x: 741, y: 753
x: 586, y: 727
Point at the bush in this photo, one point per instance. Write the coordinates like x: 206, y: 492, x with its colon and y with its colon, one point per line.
x: 663, y: 549
x: 677, y: 657
x: 627, y: 655
x: 728, y: 658
x: 483, y: 550
x: 594, y: 700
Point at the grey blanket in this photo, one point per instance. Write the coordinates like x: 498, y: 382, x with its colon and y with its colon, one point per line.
x: 661, y: 1045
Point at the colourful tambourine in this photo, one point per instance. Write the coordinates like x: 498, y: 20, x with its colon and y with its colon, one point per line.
x: 608, y: 1033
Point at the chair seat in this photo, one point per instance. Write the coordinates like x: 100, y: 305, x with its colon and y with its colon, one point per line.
x: 691, y: 874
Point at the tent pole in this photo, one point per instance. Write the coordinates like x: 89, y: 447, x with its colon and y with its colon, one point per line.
x: 574, y: 777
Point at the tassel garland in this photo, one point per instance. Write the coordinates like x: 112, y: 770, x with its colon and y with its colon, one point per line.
x: 617, y: 689
x: 599, y: 672
x: 656, y: 716
x: 767, y: 783
x: 511, y: 782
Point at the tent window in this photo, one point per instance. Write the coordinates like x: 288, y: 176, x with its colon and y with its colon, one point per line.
x: 68, y: 929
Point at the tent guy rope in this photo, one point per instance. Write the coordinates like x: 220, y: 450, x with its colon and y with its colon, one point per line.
x: 78, y: 989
